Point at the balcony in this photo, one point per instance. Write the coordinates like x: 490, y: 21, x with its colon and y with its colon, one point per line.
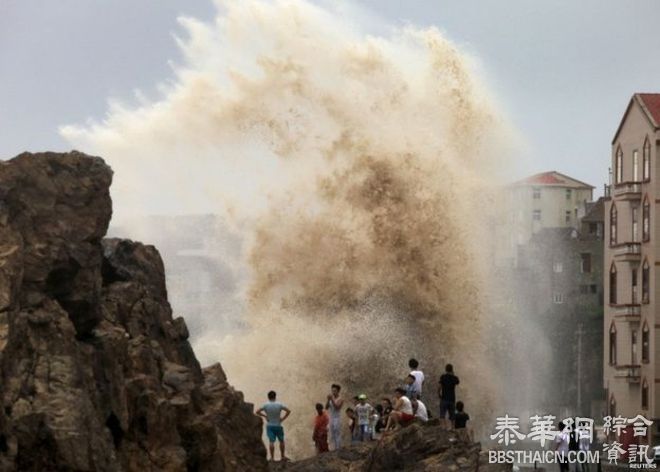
x: 629, y: 312
x: 628, y: 191
x: 630, y: 373
x: 627, y: 252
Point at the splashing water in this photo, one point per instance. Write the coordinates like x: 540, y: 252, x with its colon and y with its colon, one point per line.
x: 359, y: 171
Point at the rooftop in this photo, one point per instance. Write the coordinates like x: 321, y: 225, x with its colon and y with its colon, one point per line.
x: 552, y: 178
x: 650, y: 105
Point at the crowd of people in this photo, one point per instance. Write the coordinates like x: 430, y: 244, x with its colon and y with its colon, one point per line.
x: 365, y: 422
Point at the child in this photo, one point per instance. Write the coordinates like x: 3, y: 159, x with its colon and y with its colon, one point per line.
x: 373, y: 421
x: 363, y: 411
x: 320, y: 435
x: 460, y: 421
x: 352, y: 424
x: 411, y: 387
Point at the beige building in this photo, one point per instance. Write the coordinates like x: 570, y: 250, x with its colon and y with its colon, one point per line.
x: 545, y: 200
x: 631, y: 260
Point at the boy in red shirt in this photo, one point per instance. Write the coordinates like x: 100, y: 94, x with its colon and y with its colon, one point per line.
x: 320, y: 435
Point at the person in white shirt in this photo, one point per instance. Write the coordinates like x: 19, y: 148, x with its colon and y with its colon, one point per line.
x: 403, y: 411
x: 420, y: 410
x: 419, y: 376
x: 334, y: 405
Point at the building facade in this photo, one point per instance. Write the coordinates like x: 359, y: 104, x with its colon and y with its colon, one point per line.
x: 560, y: 277
x: 631, y: 260
x: 545, y: 200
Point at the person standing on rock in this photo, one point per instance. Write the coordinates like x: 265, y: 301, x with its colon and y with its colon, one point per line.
x: 562, y: 439
x: 334, y: 405
x: 363, y: 410
x: 418, y: 375
x: 447, y: 393
x: 272, y: 412
x: 352, y: 424
x: 320, y: 435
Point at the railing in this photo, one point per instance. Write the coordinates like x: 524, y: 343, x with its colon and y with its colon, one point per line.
x: 627, y: 249
x: 632, y: 310
x: 627, y: 188
x: 632, y: 373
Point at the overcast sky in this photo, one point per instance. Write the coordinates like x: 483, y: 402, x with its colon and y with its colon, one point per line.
x: 563, y: 70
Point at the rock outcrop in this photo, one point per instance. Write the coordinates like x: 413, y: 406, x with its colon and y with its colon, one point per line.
x: 416, y: 448
x: 95, y: 374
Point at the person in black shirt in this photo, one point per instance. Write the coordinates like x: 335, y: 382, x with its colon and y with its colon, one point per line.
x: 460, y: 421
x: 447, y: 393
x: 460, y: 418
x: 384, y: 410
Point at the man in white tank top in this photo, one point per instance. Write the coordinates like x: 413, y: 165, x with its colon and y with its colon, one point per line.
x: 403, y: 411
x: 334, y: 405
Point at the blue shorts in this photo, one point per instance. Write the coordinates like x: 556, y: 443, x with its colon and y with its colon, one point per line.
x: 275, y: 432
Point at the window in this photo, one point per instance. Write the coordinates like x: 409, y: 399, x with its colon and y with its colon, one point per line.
x: 645, y: 282
x: 588, y: 289
x: 593, y: 228
x: 612, y: 344
x: 635, y: 230
x: 558, y: 298
x: 568, y: 193
x: 618, y: 177
x: 633, y: 347
x: 557, y: 267
x: 536, y: 215
x: 646, y: 217
x: 536, y: 193
x: 568, y: 217
x: 634, y: 286
x: 613, y: 225
x: 613, y: 285
x: 646, y: 159
x: 635, y: 157
x: 586, y: 262
x: 645, y: 395
x: 612, y: 406
x: 645, y: 343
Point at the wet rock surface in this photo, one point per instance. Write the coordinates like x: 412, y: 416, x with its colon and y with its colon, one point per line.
x: 95, y: 373
x: 416, y: 448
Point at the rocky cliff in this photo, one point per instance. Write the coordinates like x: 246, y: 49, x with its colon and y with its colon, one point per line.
x: 95, y: 373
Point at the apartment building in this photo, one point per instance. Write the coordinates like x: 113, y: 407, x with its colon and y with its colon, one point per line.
x: 631, y: 260
x: 545, y: 200
x: 560, y: 279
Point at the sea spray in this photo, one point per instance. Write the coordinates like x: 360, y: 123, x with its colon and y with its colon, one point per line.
x: 359, y: 171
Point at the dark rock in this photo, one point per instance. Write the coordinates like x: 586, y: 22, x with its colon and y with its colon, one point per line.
x: 95, y: 373
x: 416, y: 448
